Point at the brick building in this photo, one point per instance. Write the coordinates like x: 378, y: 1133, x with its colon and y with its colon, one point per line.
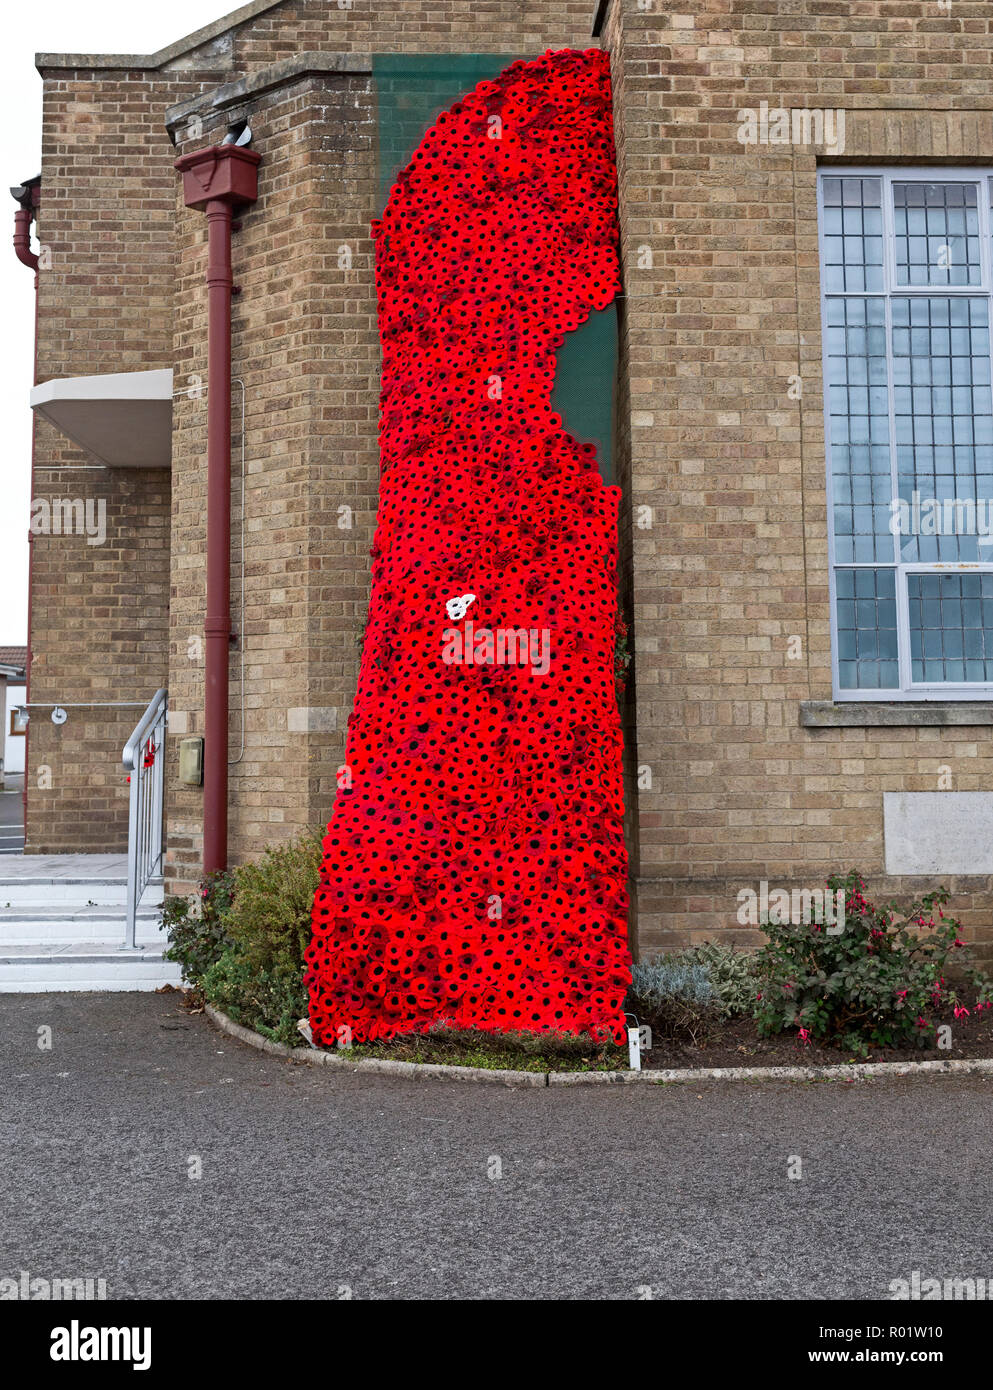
x: 802, y: 184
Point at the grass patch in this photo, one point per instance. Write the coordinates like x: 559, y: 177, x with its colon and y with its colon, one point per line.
x: 538, y: 1052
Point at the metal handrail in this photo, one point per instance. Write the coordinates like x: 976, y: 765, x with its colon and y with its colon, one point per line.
x: 144, y: 761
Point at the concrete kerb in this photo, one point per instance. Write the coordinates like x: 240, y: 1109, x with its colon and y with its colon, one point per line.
x: 385, y: 1066
x: 852, y: 1071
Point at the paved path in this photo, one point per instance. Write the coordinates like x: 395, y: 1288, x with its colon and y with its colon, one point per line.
x: 71, y: 868
x: 314, y: 1180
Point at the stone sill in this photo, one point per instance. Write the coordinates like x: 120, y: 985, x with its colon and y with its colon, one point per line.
x: 825, y: 714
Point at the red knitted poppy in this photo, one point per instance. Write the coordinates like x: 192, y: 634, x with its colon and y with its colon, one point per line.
x: 474, y: 869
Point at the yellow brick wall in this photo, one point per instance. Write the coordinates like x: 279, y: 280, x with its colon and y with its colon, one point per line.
x: 733, y: 468
x: 99, y: 612
x: 721, y: 310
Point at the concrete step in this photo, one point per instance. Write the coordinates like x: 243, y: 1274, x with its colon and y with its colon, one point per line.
x: 24, y: 924
x: 89, y: 966
x: 62, y: 922
x: 46, y: 892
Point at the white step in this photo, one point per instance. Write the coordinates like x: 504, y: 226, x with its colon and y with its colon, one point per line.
x: 46, y: 892
x: 62, y: 926
x: 91, y: 966
x: 29, y: 892
x: 25, y: 925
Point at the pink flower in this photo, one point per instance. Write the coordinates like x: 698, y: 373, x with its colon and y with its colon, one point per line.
x: 804, y: 1036
x: 961, y: 1011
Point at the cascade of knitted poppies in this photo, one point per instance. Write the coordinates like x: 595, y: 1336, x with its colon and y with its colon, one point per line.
x: 474, y: 867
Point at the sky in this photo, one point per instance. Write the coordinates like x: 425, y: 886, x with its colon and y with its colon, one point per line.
x: 57, y: 26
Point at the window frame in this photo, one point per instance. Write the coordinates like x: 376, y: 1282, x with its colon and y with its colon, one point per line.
x: 981, y: 175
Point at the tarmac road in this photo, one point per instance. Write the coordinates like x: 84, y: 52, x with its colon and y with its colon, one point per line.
x: 316, y: 1183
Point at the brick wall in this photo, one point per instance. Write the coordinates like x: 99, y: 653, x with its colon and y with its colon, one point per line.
x: 99, y: 611
x: 306, y: 345
x: 417, y: 26
x: 723, y: 529
x: 725, y: 312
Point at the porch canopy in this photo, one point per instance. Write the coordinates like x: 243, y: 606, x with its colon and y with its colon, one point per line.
x: 124, y: 419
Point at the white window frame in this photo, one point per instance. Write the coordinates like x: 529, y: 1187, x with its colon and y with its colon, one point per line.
x: 888, y: 175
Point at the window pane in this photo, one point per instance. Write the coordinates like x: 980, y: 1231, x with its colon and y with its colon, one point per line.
x: 936, y: 228
x: 853, y: 235
x: 943, y: 417
x: 909, y: 400
x: 867, y: 632
x: 860, y: 457
x: 951, y: 627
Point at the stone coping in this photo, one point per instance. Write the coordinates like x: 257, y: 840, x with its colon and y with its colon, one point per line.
x: 241, y: 90
x: 169, y: 54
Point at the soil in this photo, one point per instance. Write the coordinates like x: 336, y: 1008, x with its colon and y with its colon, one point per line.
x: 733, y: 1043
x: 736, y: 1043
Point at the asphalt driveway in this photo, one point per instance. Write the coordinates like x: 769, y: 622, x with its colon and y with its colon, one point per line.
x: 317, y: 1183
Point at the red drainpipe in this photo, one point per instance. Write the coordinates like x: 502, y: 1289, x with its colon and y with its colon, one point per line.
x: 215, y: 181
x: 28, y: 196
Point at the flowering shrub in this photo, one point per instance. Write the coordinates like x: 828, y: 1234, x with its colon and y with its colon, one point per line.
x: 879, y: 982
x: 196, y: 926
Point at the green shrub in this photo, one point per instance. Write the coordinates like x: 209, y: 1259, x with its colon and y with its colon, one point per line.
x: 259, y: 979
x: 268, y: 1001
x: 731, y: 973
x: 243, y: 944
x: 686, y: 993
x: 880, y: 981
x: 270, y: 917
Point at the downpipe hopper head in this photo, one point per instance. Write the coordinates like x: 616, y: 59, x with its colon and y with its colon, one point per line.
x: 225, y: 173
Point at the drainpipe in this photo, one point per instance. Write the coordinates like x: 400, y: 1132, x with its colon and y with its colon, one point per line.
x: 215, y: 181
x: 27, y: 196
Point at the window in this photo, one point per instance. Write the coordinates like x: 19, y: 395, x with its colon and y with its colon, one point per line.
x: 907, y: 277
